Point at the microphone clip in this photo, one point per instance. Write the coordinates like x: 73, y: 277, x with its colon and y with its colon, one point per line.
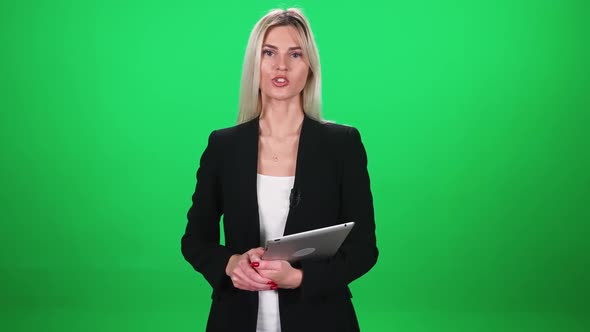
x: 294, y: 198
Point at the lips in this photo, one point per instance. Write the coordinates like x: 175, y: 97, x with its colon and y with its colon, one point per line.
x: 280, y: 81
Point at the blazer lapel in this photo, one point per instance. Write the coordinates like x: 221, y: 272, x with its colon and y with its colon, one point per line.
x: 305, y: 151
x: 249, y: 155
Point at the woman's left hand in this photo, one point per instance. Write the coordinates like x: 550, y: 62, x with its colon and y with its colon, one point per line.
x: 281, y: 272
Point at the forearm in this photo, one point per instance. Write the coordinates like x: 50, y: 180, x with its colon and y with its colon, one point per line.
x: 209, y: 259
x: 333, y: 274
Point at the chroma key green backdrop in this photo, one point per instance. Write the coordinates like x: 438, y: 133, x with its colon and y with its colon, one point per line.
x: 474, y: 114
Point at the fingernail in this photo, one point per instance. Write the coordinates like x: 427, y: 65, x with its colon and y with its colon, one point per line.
x: 274, y: 287
x: 271, y: 283
x: 254, y: 264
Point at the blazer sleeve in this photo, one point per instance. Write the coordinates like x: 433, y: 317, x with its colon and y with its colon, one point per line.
x: 200, y: 243
x: 358, y: 253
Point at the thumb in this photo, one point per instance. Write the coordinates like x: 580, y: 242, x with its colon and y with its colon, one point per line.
x: 255, y: 254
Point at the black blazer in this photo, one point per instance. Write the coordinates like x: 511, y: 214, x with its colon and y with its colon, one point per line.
x: 332, y: 186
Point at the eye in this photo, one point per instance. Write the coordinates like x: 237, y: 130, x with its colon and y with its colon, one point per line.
x: 297, y: 55
x: 267, y: 52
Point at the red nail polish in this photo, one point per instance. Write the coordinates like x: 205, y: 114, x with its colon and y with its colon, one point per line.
x: 274, y: 287
x: 271, y: 283
x: 254, y: 264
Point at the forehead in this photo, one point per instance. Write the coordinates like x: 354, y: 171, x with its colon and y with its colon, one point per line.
x: 283, y: 36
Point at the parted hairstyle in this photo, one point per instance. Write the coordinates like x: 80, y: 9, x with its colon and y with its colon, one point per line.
x: 311, y: 98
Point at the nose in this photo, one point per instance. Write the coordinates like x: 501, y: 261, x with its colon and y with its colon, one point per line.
x: 281, y: 63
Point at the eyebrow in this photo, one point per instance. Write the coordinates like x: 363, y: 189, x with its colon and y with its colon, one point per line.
x: 276, y: 48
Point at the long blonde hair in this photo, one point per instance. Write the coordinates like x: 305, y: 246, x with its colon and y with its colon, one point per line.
x: 250, y: 104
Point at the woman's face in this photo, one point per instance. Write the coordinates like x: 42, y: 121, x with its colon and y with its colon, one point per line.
x: 283, y: 71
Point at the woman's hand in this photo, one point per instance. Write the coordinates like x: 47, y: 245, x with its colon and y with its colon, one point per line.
x: 243, y: 276
x: 280, y: 272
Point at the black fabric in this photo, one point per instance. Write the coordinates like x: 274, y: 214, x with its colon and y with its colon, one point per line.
x: 332, y: 186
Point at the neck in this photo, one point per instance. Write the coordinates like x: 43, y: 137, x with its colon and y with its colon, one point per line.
x: 281, y: 118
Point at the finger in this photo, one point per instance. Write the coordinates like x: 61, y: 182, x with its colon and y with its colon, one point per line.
x: 269, y: 265
x: 259, y: 251
x: 254, y: 259
x: 244, y: 282
x: 238, y: 276
x: 238, y: 283
x: 254, y: 286
x: 268, y: 274
x: 251, y: 276
x: 255, y: 254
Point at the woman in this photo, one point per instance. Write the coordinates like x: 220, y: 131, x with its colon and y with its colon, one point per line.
x: 280, y: 150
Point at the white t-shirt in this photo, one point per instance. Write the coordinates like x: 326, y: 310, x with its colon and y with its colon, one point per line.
x: 273, y: 208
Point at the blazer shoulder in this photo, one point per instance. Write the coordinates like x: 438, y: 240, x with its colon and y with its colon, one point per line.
x: 339, y: 133
x: 336, y: 127
x: 224, y: 135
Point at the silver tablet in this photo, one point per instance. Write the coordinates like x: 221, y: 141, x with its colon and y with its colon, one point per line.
x: 317, y: 243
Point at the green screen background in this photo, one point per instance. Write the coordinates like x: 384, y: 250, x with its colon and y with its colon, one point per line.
x: 474, y: 114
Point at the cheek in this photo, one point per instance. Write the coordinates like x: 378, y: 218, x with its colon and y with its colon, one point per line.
x: 265, y: 70
x: 302, y: 75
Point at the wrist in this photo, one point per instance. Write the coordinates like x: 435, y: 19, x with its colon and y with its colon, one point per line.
x: 296, y: 278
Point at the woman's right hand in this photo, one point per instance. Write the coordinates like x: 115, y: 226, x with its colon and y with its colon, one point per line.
x: 243, y: 276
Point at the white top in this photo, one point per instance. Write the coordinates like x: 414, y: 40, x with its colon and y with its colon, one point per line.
x: 273, y: 208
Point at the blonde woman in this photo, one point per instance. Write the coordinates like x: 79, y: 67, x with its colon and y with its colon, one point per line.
x: 281, y: 170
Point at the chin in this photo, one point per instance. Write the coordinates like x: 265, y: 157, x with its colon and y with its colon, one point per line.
x: 282, y: 97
